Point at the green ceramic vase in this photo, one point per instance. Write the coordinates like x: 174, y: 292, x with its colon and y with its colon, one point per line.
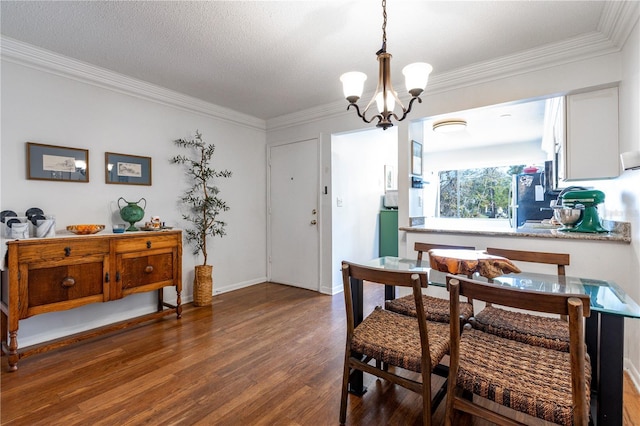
x: 132, y: 212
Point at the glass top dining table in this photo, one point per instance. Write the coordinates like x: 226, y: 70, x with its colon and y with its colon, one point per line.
x: 606, y: 296
x: 604, y: 328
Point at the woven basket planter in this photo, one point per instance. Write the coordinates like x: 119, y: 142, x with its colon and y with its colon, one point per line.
x: 203, y: 285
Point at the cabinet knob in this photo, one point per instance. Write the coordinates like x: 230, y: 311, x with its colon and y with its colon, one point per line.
x: 148, y: 269
x: 148, y: 244
x: 68, y: 282
x: 106, y: 277
x: 67, y: 251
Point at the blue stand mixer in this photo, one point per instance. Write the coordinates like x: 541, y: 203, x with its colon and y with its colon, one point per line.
x: 590, y: 221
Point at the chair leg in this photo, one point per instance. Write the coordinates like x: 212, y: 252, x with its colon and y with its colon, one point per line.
x: 450, y: 413
x: 426, y: 398
x: 345, y: 386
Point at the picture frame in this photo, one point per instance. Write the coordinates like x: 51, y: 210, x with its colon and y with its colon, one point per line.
x: 390, y: 178
x: 126, y: 169
x: 57, y: 163
x: 416, y: 158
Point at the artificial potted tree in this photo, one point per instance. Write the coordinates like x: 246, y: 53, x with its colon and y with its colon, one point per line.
x: 203, y: 207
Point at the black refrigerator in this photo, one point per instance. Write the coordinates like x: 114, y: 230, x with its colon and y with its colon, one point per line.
x: 530, y: 199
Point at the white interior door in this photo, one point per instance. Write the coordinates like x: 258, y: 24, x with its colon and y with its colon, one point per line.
x: 293, y: 206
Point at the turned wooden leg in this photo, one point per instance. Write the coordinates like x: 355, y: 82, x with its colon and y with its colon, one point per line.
x: 13, y: 351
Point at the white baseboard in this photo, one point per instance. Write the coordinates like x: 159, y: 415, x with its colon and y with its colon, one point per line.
x: 633, y: 372
x: 238, y: 286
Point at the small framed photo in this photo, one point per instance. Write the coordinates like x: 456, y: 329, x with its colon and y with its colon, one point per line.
x: 59, y: 163
x: 127, y: 169
x: 416, y: 158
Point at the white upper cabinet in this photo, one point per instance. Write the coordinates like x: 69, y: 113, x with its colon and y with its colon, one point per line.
x: 591, y: 146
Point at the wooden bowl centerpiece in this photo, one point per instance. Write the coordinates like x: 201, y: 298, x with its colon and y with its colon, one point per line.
x: 467, y: 262
x: 85, y: 229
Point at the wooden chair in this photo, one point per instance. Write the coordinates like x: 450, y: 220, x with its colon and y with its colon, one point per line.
x: 408, y: 343
x: 541, y: 382
x: 536, y: 330
x: 436, y: 309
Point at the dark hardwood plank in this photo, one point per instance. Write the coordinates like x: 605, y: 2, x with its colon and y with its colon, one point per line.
x: 264, y: 355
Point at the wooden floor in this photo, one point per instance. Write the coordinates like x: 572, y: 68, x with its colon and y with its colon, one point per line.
x: 264, y: 355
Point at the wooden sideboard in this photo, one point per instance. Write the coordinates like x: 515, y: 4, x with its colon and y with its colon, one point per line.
x: 55, y: 274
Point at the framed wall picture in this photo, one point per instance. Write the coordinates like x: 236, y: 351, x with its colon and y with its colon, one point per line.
x: 59, y: 163
x: 127, y: 169
x: 416, y: 158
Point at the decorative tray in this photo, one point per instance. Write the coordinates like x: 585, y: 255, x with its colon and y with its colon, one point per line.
x: 163, y: 228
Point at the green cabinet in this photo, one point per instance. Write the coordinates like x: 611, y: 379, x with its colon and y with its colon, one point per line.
x: 388, y: 232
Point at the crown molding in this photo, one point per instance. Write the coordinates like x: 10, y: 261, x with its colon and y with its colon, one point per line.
x: 616, y: 23
x: 44, y: 60
x: 618, y: 19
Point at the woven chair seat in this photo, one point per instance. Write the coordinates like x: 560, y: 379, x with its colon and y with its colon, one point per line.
x: 552, y: 333
x: 395, y: 339
x: 529, y: 379
x: 435, y: 309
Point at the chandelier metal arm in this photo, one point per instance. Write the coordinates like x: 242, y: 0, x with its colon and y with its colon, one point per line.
x: 361, y: 115
x: 408, y: 110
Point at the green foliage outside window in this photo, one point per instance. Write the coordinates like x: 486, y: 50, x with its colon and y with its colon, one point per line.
x: 476, y: 193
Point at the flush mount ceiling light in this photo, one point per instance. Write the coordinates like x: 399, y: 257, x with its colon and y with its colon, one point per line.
x: 416, y: 78
x: 449, y: 125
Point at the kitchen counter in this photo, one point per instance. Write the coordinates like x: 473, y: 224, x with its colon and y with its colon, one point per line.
x: 619, y: 231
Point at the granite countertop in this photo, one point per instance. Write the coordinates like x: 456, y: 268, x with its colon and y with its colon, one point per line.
x: 619, y: 231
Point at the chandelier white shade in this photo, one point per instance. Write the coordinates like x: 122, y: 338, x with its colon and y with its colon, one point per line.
x: 353, y: 84
x: 416, y: 76
x: 416, y: 79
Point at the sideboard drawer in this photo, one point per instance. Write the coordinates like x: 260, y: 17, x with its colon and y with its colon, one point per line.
x: 67, y: 251
x: 154, y: 240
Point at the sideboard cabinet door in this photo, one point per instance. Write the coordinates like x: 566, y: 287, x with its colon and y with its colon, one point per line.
x: 57, y: 288
x: 145, y: 273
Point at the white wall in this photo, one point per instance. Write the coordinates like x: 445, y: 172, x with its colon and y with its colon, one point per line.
x: 357, y: 164
x: 42, y: 107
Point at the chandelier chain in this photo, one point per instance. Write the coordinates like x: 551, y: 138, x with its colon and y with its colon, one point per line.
x: 384, y: 25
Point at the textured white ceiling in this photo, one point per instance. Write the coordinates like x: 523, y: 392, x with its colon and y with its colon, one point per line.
x: 271, y: 58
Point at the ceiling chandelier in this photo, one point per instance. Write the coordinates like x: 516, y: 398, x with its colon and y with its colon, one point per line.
x: 416, y: 77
